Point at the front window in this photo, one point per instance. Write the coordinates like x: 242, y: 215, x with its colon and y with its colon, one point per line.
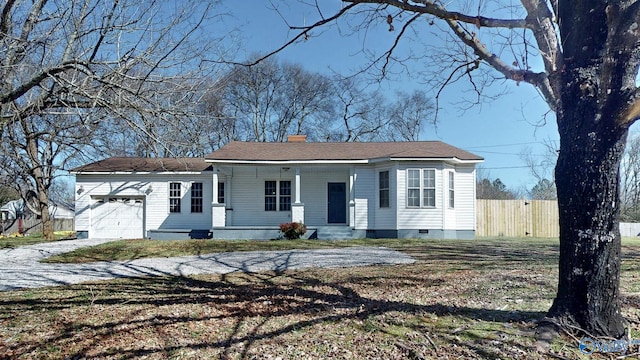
x: 413, y: 188
x: 221, y: 193
x: 383, y: 183
x: 285, y: 195
x: 421, y: 188
x: 196, y: 197
x: 277, y: 195
x: 270, y: 195
x: 429, y: 188
x: 175, y: 197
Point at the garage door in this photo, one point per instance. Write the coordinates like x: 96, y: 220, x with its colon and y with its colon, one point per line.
x: 117, y: 217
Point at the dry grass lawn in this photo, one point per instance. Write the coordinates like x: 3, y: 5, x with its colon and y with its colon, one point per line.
x: 460, y: 300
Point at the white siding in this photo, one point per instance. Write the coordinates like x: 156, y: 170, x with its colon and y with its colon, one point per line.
x: 314, y: 192
x: 364, y: 198
x: 245, y: 190
x: 156, y: 212
x: 160, y: 218
x: 419, y: 218
x: 247, y: 198
x: 385, y: 218
x: 465, y: 197
x: 449, y: 215
x: 248, y: 194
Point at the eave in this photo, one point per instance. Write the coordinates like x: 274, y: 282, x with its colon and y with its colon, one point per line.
x: 454, y: 160
x: 139, y: 172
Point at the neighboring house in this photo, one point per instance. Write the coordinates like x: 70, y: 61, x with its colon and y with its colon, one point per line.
x: 339, y: 190
x: 61, y: 214
x: 10, y: 210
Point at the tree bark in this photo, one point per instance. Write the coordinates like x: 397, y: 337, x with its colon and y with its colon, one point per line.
x: 38, y: 175
x: 45, y: 217
x: 587, y: 178
x: 597, y: 98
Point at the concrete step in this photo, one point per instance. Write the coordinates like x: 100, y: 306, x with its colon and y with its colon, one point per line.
x: 334, y: 233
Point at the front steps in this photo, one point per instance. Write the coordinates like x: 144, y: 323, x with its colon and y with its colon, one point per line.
x: 336, y: 232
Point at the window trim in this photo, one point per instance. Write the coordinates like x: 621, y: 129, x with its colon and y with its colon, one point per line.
x: 175, y: 197
x: 425, y: 188
x: 197, y: 207
x: 421, y: 188
x: 452, y: 190
x: 384, y: 190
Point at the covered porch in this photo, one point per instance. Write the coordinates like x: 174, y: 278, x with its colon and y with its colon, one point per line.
x: 251, y: 201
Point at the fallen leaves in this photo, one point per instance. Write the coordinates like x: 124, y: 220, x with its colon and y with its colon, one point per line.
x: 456, y: 302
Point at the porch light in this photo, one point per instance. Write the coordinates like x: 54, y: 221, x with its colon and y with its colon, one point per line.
x: 149, y: 190
x: 80, y: 189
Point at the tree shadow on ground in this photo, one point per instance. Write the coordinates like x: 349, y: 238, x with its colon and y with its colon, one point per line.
x: 160, y: 315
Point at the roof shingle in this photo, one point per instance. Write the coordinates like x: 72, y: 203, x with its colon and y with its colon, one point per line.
x: 131, y: 164
x: 308, y: 151
x: 285, y: 152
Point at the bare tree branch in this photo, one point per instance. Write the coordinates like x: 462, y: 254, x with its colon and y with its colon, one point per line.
x: 302, y: 35
x: 433, y: 8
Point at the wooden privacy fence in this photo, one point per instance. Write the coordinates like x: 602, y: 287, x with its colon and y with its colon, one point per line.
x: 517, y: 218
x: 33, y: 225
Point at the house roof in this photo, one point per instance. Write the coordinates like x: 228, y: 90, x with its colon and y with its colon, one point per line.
x: 57, y: 210
x: 239, y: 152
x: 131, y: 164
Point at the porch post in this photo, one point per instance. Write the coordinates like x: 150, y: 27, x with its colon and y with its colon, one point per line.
x: 297, y: 208
x: 352, y: 201
x: 297, y: 185
x: 214, y: 185
x: 217, y: 210
x: 227, y: 200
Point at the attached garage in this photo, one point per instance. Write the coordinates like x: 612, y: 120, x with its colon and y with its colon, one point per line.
x: 117, y: 217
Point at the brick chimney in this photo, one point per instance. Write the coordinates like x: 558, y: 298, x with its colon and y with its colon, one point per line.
x: 297, y: 138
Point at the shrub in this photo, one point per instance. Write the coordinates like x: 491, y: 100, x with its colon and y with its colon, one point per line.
x: 293, y: 230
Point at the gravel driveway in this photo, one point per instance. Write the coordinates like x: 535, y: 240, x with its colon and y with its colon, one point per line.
x: 20, y: 267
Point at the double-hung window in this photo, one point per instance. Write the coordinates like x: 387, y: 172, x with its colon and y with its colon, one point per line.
x: 221, y: 193
x: 421, y: 188
x: 429, y: 188
x: 277, y: 195
x: 383, y: 188
x: 175, y: 197
x: 196, y: 197
x: 413, y: 188
x: 285, y: 195
x: 270, y: 195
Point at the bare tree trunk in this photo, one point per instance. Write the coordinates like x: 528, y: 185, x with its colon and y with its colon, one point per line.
x: 587, y: 179
x: 43, y: 203
x: 39, y: 177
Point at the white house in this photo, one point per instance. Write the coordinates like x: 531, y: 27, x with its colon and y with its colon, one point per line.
x: 10, y: 210
x: 339, y: 190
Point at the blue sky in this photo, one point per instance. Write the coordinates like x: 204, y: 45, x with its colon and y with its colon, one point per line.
x: 498, y: 130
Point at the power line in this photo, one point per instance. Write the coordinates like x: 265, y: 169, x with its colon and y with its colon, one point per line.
x: 504, y: 153
x: 504, y: 145
x: 508, y: 167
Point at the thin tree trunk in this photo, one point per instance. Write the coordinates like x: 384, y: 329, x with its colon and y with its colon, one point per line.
x: 39, y: 178
x: 43, y: 202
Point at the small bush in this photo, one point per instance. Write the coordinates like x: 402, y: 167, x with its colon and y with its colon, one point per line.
x: 293, y: 230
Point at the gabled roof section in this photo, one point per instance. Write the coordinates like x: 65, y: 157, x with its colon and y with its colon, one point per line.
x: 363, y: 152
x: 131, y: 164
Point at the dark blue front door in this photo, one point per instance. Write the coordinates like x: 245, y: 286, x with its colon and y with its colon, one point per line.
x: 337, y: 195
